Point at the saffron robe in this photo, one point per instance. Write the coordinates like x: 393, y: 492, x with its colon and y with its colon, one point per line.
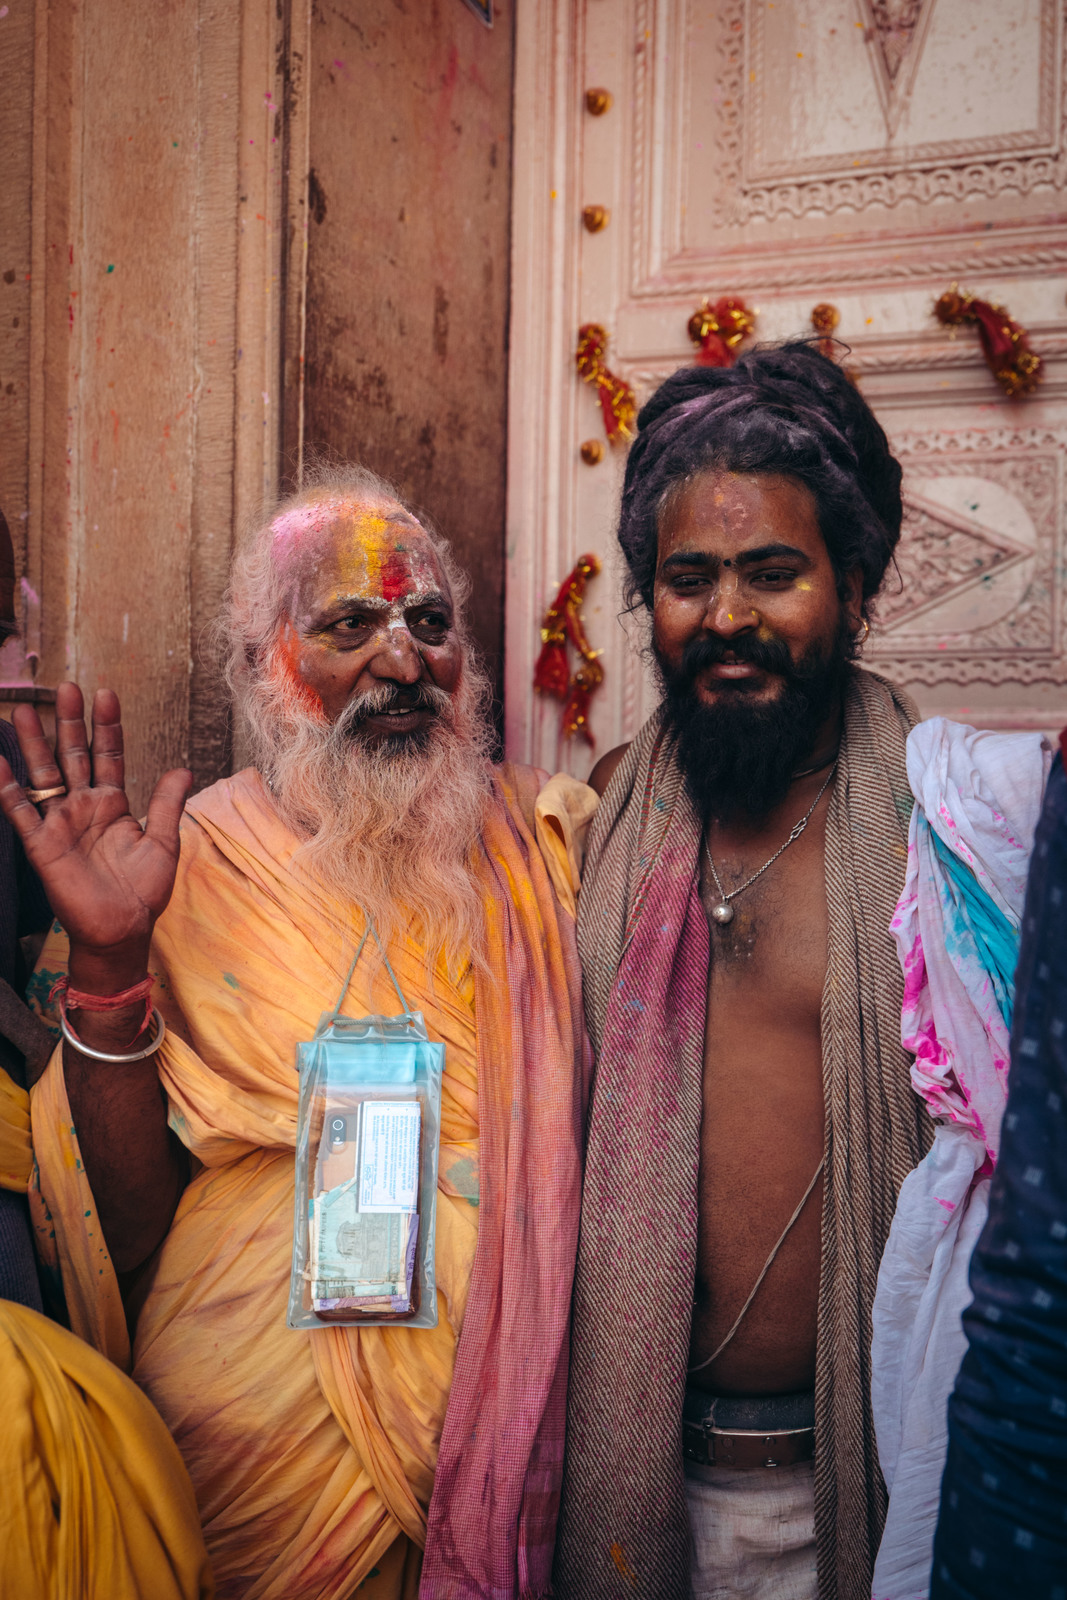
x: 314, y: 1455
x: 94, y: 1500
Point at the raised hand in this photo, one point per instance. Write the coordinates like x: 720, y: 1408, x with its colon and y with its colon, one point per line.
x: 107, y: 878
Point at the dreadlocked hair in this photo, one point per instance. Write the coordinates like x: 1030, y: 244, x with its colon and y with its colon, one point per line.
x: 785, y: 409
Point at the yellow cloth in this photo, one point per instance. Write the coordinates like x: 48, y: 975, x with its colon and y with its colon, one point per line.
x: 563, y: 812
x: 16, y: 1149
x: 94, y: 1501
x: 309, y: 1451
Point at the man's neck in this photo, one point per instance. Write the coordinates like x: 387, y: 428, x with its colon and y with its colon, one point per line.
x: 825, y: 745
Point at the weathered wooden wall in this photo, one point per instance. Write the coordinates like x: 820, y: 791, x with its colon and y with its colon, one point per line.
x: 16, y: 180
x: 143, y: 225
x: 407, y: 295
x: 153, y: 281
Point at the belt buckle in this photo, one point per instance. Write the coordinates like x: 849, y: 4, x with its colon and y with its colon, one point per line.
x: 710, y: 1446
x: 698, y: 1442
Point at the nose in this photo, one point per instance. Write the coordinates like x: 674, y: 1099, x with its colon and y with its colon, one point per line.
x: 727, y: 614
x: 396, y: 660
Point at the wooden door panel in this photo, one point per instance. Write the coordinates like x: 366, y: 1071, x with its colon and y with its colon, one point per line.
x: 853, y: 151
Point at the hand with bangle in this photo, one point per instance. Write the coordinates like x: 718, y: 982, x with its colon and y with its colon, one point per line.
x: 108, y: 880
x: 106, y: 877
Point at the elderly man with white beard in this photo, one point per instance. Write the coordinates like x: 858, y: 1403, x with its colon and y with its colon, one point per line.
x: 386, y: 1459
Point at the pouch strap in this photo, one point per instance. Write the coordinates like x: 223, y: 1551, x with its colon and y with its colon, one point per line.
x: 368, y: 930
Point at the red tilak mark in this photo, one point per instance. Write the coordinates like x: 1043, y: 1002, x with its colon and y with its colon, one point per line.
x: 396, y: 578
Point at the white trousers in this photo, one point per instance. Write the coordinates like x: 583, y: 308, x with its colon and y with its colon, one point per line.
x: 753, y: 1532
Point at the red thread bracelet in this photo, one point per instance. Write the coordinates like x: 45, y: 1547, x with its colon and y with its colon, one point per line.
x: 78, y: 1000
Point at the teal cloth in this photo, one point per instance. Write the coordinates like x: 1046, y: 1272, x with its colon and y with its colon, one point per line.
x: 994, y: 934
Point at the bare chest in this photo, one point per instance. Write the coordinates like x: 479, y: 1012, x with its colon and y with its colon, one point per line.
x: 762, y: 1128
x: 775, y: 945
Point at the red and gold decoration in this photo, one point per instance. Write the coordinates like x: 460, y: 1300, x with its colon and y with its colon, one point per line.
x: 616, y: 398
x: 552, y: 674
x: 719, y: 330
x: 1005, y: 345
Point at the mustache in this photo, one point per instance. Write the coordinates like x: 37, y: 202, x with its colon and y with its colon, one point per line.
x: 709, y: 649
x: 386, y: 697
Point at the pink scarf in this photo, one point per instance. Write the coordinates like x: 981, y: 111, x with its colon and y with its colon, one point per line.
x: 492, y: 1519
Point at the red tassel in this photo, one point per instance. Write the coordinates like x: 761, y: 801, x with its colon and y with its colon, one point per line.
x: 1005, y: 343
x: 719, y: 330
x: 618, y: 403
x: 563, y: 622
x: 552, y: 675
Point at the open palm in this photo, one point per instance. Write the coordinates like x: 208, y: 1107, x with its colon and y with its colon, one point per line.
x: 107, y: 878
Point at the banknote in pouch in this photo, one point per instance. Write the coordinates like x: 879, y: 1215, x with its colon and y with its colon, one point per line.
x: 364, y: 1221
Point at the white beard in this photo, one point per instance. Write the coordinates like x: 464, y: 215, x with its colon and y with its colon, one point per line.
x: 394, y: 827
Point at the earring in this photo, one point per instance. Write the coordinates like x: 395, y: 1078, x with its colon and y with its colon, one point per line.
x: 866, y: 634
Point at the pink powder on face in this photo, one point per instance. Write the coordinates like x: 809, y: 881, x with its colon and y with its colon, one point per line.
x: 295, y: 525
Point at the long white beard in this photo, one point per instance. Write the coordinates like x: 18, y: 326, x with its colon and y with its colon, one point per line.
x: 392, y: 828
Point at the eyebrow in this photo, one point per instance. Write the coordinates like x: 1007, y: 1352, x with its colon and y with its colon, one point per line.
x: 357, y: 602
x: 747, y: 558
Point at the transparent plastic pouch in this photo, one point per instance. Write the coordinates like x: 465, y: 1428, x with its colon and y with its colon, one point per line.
x: 368, y: 1135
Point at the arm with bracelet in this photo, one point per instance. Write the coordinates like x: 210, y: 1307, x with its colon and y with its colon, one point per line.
x: 108, y: 880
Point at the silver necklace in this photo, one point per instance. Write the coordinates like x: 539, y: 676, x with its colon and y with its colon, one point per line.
x: 723, y: 913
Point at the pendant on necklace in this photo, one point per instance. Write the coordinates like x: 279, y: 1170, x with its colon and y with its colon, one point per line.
x: 723, y: 912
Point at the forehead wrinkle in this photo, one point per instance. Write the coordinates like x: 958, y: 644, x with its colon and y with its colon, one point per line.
x: 358, y: 559
x: 376, y: 602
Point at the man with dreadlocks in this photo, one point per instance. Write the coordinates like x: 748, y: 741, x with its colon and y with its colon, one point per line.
x: 752, y: 1118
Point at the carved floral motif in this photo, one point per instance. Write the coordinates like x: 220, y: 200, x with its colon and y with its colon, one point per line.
x: 896, y: 30
x: 941, y: 557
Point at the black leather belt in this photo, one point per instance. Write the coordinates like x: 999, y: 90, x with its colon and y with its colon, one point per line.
x: 745, y: 1432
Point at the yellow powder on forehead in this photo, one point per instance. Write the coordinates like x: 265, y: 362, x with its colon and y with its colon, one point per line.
x: 343, y: 546
x: 317, y: 517
x: 362, y: 534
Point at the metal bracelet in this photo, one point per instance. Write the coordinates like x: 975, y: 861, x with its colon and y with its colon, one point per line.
x: 102, y: 1055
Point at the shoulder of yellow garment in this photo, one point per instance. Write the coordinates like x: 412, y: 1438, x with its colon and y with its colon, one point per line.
x: 562, y: 813
x: 123, y: 1520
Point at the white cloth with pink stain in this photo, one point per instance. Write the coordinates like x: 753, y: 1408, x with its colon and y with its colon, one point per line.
x: 981, y: 794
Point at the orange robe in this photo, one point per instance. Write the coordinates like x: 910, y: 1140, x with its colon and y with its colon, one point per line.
x: 312, y: 1453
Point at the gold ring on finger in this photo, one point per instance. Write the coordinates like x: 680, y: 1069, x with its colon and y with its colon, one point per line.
x: 38, y: 796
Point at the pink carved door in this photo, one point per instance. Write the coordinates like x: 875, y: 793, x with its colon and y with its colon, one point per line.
x: 865, y: 153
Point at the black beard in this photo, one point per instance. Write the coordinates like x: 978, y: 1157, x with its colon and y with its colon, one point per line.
x: 739, y: 755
